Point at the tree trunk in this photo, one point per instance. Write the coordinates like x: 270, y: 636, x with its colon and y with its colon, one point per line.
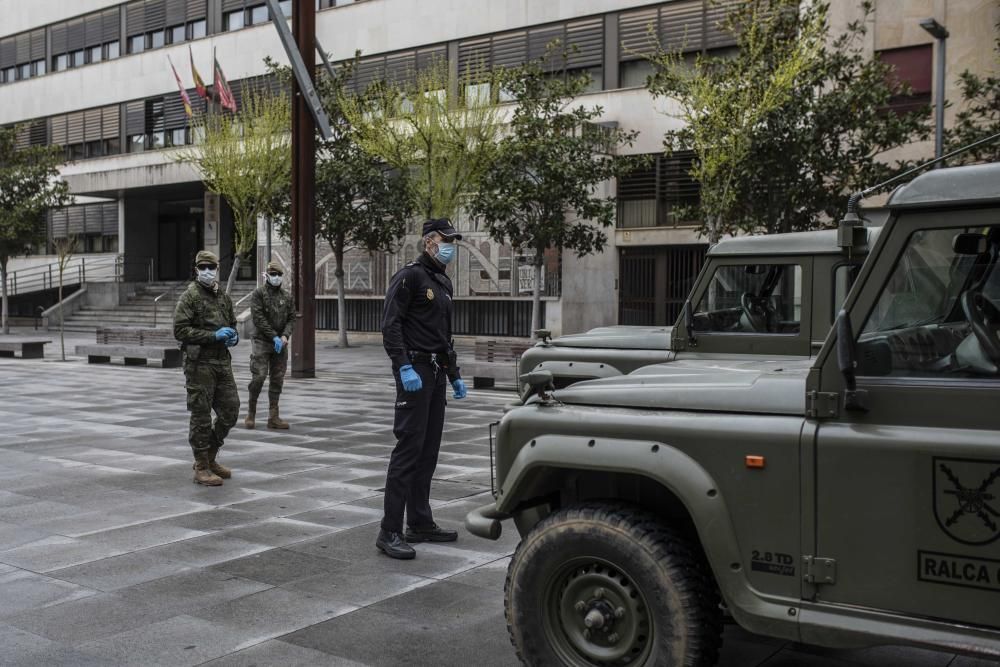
x: 232, y: 274
x: 338, y: 257
x: 536, y: 301
x: 3, y: 290
x: 62, y: 331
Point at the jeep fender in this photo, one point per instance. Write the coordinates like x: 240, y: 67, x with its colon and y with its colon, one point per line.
x: 681, y: 475
x: 584, y: 370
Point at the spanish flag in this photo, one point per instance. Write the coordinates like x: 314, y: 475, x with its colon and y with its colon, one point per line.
x: 199, y: 85
x: 184, y: 95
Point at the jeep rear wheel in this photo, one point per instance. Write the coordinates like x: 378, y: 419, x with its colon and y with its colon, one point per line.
x: 600, y: 585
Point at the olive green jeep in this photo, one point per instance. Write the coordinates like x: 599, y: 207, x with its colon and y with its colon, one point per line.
x: 758, y: 295
x: 845, y: 500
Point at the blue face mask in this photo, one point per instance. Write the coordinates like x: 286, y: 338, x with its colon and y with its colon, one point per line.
x: 446, y: 252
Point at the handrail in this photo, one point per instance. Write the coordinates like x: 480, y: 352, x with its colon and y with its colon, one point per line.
x: 46, y: 276
x: 156, y: 300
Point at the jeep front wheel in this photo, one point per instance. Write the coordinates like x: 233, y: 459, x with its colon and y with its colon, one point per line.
x: 598, y: 585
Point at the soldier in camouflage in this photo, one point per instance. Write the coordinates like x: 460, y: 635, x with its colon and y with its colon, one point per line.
x: 273, y: 318
x: 205, y: 324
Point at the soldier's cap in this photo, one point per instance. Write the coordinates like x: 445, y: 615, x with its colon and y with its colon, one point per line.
x: 443, y: 227
x: 274, y: 266
x: 206, y: 257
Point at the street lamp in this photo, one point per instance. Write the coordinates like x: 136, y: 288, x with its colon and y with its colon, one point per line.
x: 940, y: 33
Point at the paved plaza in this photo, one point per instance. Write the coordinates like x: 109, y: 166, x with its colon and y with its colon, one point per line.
x: 110, y: 555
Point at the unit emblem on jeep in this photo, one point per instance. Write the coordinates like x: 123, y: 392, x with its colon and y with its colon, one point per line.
x: 967, y: 499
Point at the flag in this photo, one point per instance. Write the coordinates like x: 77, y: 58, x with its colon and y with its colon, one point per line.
x: 199, y: 85
x: 226, y: 99
x: 184, y: 95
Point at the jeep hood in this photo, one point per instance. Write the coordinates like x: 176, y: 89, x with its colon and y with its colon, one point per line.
x: 623, y: 338
x: 748, y: 386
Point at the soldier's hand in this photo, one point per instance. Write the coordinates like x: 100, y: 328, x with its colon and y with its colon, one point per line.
x: 233, y: 340
x: 410, y: 378
x: 278, y: 344
x: 225, y: 333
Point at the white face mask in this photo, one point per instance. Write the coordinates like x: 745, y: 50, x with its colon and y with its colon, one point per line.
x: 274, y: 281
x: 207, y: 276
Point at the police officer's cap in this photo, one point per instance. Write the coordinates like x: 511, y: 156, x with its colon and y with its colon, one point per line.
x: 443, y: 227
x: 206, y: 257
x: 274, y: 266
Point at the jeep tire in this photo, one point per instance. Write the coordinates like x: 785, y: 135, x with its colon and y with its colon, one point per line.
x: 608, y: 584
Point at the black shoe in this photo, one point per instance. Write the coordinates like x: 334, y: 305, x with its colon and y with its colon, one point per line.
x: 431, y: 533
x: 393, y: 545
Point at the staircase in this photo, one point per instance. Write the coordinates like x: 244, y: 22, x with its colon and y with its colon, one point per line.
x: 138, y: 310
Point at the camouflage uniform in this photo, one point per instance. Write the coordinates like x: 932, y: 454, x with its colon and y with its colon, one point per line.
x: 273, y: 317
x: 208, y: 371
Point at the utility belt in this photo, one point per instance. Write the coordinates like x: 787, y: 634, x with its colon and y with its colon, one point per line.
x: 205, y: 352
x: 443, y: 360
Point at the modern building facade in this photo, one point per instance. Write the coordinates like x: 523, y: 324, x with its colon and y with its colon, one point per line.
x: 93, y: 77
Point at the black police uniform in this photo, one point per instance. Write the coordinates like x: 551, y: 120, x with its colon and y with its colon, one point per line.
x: 416, y: 330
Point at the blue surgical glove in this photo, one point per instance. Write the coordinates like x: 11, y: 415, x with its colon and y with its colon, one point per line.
x: 278, y: 344
x: 459, y: 386
x: 410, y: 378
x: 225, y: 332
x: 233, y: 340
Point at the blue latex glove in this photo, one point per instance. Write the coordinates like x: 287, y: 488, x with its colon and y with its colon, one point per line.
x: 278, y: 344
x: 459, y: 387
x: 410, y: 378
x: 233, y: 340
x: 225, y: 332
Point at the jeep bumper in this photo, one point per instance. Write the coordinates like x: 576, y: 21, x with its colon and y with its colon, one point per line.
x: 485, y: 522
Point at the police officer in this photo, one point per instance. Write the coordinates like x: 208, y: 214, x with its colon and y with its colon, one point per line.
x: 205, y: 324
x: 416, y: 332
x: 273, y: 318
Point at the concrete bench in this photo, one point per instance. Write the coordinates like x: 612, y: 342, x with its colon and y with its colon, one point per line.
x: 133, y: 355
x: 136, y: 345
x: 30, y: 348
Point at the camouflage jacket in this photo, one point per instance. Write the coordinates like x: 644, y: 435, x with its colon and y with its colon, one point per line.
x: 201, y: 312
x: 273, y: 313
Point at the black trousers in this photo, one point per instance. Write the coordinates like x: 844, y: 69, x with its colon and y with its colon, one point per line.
x: 418, y: 423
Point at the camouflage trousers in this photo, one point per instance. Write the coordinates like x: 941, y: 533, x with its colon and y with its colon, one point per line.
x: 210, y: 386
x: 263, y: 362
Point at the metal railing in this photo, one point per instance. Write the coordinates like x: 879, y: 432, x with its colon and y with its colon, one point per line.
x: 156, y: 300
x: 77, y: 271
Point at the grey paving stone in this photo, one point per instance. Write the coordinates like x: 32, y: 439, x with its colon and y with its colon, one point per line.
x: 57, y: 552
x: 281, y: 505
x: 490, y: 576
x: 21, y: 648
x: 109, y: 574
x: 275, y: 652
x: 280, y: 566
x: 207, y: 550
x: 192, y: 590
x: 279, y: 532
x: 90, y: 618
x: 220, y: 518
x: 144, y: 535
x: 21, y: 590
x: 175, y: 642
x: 355, y: 586
x: 341, y: 516
x: 273, y: 612
x: 13, y: 535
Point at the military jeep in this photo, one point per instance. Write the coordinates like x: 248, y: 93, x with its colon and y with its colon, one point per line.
x: 845, y: 500
x: 758, y: 295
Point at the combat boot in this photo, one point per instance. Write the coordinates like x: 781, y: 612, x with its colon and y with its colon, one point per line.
x: 216, y: 467
x: 251, y: 420
x: 273, y: 420
x: 203, y: 473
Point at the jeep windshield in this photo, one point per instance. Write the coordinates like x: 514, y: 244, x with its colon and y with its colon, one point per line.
x: 940, y: 311
x: 752, y: 298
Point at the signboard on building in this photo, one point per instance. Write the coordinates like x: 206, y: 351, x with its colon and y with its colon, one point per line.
x: 211, y: 220
x: 526, y: 279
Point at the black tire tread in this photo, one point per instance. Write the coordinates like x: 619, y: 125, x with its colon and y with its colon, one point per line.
x: 681, y: 561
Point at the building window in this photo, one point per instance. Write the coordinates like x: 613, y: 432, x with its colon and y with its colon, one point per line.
x: 95, y: 148
x: 60, y: 62
x: 177, y: 137
x: 197, y: 29
x: 111, y: 50
x: 137, y: 143
x: 39, y: 67
x: 233, y: 20
x: 9, y: 75
x: 136, y: 43
x: 176, y: 34
x: 910, y: 67
x: 112, y: 146
x: 94, y: 54
x: 286, y: 7
x: 157, y: 39
x: 257, y: 15
x: 660, y: 195
x: 24, y: 71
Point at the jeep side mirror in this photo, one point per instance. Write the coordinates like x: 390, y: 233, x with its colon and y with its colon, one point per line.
x: 969, y: 244
x: 854, y: 400
x: 539, y: 383
x: 689, y: 323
